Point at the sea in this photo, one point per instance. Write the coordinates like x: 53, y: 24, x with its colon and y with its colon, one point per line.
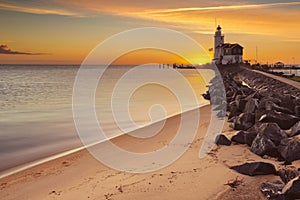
x: 296, y: 72
x: 36, y: 116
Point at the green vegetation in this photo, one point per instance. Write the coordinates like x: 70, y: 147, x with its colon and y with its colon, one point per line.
x: 295, y: 78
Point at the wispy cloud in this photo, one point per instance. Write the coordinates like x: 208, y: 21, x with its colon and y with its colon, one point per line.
x: 7, y: 41
x: 36, y: 10
x: 4, y: 49
x: 256, y: 19
x: 133, y: 9
x: 247, y: 6
x: 291, y: 40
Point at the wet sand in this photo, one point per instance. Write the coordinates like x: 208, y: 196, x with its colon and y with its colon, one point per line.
x: 81, y: 176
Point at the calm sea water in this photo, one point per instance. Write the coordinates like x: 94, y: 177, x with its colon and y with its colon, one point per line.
x: 36, y: 119
x: 288, y: 71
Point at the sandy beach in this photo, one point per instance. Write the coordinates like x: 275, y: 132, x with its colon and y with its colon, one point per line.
x: 125, y: 100
x: 80, y: 176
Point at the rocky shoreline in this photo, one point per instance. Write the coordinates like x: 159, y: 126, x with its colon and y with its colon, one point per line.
x: 266, y: 115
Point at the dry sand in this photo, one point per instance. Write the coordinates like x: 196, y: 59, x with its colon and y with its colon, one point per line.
x: 80, y: 176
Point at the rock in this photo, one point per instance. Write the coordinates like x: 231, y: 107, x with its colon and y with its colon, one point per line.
x: 285, y: 121
x: 295, y: 130
x: 262, y: 104
x: 231, y: 120
x: 206, y: 96
x: 249, y: 137
x: 289, y: 149
x: 222, y: 140
x: 233, y: 110
x: 292, y: 189
x: 241, y: 103
x: 255, y: 168
x: 272, y: 190
x: 272, y: 131
x: 282, y: 109
x: 244, y: 137
x: 251, y: 106
x: 287, y: 175
x: 262, y: 145
x: 268, y: 138
x: 244, y: 121
x: 239, y: 137
x: 253, y: 131
x: 269, y: 105
x: 287, y: 101
x: 297, y: 111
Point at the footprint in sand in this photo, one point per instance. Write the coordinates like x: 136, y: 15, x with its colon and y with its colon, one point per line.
x: 55, y: 192
x: 3, y: 185
x: 108, y: 196
x: 66, y: 164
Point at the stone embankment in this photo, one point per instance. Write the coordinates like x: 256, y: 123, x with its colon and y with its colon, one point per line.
x: 266, y: 115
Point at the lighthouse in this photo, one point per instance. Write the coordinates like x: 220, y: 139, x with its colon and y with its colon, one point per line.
x: 226, y: 53
x: 219, y: 41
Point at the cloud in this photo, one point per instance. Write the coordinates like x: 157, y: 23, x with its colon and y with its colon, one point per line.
x: 230, y: 7
x: 133, y: 8
x: 7, y: 41
x: 37, y: 10
x: 292, y: 40
x: 4, y: 49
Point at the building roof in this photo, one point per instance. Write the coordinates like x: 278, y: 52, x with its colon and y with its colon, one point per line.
x: 229, y: 46
x: 279, y: 63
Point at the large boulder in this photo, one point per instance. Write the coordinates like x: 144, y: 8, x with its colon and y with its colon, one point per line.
x: 251, y: 105
x: 239, y: 137
x: 264, y: 146
x: 255, y: 168
x: 282, y: 109
x: 244, y: 121
x: 284, y: 121
x: 244, y: 137
x: 287, y: 175
x: 269, y: 105
x: 295, y: 130
x: 268, y: 138
x: 246, y: 90
x: 249, y: 137
x: 272, y: 131
x: 240, y: 103
x: 291, y: 190
x: 222, y: 140
x: 289, y: 149
x: 253, y: 131
x: 233, y: 110
x: 272, y: 190
x: 262, y: 103
x: 297, y: 111
x: 288, y: 101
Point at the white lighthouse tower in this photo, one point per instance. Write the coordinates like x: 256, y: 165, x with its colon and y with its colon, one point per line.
x: 219, y: 40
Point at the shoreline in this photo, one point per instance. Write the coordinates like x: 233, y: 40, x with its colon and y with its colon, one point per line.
x: 80, y: 176
x: 50, y: 158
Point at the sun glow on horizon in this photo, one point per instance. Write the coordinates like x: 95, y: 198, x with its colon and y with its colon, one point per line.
x: 66, y: 32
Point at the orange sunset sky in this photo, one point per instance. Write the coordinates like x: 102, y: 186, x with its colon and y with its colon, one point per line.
x: 64, y: 32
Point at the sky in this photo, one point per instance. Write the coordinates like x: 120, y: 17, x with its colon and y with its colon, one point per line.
x: 65, y: 32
